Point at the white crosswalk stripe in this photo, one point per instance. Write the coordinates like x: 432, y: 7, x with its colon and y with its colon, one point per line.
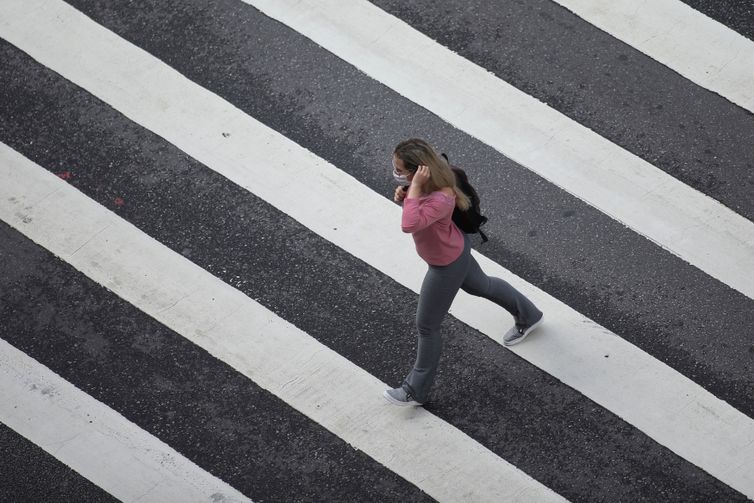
x: 569, y: 155
x: 697, y: 47
x: 313, y: 379
x: 97, y: 441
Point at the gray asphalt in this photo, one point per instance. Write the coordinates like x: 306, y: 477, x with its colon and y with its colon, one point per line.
x: 546, y: 51
x: 199, y: 406
x: 551, y: 239
x: 31, y: 475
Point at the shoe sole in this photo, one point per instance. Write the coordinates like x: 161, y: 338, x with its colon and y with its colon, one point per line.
x: 526, y: 333
x: 398, y: 402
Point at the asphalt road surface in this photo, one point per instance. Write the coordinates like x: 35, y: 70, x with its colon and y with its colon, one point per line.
x: 663, y: 412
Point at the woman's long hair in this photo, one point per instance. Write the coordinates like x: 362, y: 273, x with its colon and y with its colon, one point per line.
x: 415, y: 152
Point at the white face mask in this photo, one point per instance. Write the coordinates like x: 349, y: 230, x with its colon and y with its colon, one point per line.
x: 401, y: 179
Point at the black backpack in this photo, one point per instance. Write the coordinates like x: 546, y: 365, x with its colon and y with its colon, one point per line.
x: 471, y: 220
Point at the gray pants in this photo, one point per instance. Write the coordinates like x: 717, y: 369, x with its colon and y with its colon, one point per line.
x: 438, y: 290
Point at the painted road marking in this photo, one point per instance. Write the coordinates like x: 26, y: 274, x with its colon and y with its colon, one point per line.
x: 96, y: 441
x: 680, y: 219
x: 683, y: 39
x: 632, y: 384
x: 425, y: 450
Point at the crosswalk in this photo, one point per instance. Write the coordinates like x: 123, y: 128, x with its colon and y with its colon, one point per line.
x: 697, y: 47
x: 207, y: 288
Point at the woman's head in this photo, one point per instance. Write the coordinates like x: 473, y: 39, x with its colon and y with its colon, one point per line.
x: 409, y: 154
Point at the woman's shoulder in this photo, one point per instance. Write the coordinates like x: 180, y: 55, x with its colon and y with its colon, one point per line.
x: 444, y: 193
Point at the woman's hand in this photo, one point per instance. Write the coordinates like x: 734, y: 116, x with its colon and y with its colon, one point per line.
x: 417, y: 182
x: 421, y: 176
x: 400, y: 193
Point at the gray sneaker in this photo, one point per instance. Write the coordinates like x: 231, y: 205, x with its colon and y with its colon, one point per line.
x: 516, y: 334
x: 399, y: 396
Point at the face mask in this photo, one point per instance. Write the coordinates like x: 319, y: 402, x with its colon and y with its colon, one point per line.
x: 401, y: 179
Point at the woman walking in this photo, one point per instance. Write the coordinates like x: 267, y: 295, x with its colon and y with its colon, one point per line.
x: 428, y: 205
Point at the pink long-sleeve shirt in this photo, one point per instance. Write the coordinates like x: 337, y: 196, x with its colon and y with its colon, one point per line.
x: 428, y: 219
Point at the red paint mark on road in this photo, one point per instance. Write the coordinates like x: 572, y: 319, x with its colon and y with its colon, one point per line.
x: 119, y: 201
x: 65, y: 175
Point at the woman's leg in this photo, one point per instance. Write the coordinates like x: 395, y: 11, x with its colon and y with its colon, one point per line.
x: 524, y: 312
x: 438, y: 290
